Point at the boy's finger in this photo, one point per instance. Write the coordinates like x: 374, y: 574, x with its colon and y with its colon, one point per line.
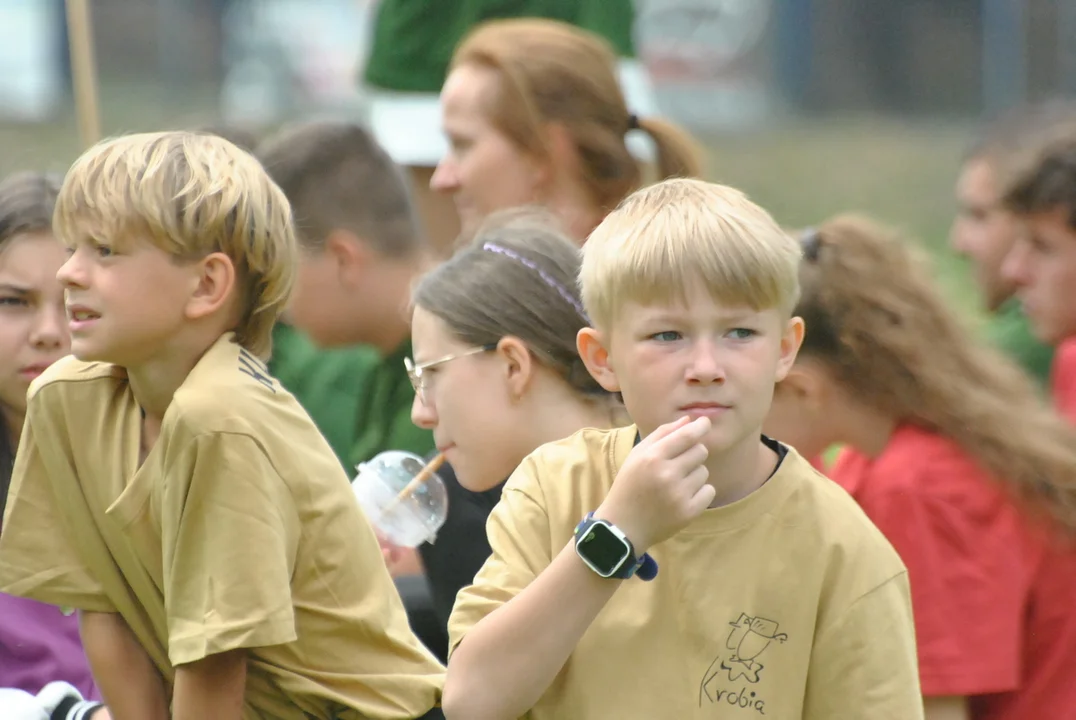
x: 691, y: 459
x: 683, y: 437
x: 665, y: 430
x: 702, y: 499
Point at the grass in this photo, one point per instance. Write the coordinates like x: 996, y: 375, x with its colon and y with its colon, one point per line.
x: 899, y: 173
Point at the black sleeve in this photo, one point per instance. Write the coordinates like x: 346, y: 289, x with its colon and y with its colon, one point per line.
x: 461, y: 546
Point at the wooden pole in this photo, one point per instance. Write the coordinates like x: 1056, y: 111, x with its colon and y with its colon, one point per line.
x: 84, y: 71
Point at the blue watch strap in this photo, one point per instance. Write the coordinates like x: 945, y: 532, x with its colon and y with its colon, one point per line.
x: 647, y: 567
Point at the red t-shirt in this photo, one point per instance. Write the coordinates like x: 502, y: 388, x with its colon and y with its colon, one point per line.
x: 1063, y: 379
x: 994, y: 601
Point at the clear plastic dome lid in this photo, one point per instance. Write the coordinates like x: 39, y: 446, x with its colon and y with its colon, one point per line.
x: 405, y: 505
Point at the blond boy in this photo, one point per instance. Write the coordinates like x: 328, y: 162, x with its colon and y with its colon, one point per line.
x: 774, y: 596
x: 168, y: 488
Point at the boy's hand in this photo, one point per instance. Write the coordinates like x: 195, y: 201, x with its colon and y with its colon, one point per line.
x: 662, y: 485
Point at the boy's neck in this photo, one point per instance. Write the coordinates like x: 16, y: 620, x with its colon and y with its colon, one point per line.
x: 13, y: 426
x: 391, y: 327
x: 740, y: 470
x: 389, y: 335
x: 155, y: 383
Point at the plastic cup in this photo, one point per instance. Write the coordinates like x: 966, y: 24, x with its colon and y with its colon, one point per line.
x: 406, y: 521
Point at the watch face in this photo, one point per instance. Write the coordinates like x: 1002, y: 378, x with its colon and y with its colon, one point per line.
x: 602, y: 549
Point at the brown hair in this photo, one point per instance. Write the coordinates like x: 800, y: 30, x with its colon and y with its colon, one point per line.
x: 27, y: 201
x: 189, y: 194
x: 518, y: 278
x: 1043, y: 177
x: 553, y: 72
x: 337, y: 177
x: 875, y: 318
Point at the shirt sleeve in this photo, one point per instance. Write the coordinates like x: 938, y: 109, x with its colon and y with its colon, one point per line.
x: 519, y: 536
x: 230, y: 533
x: 864, y: 664
x: 49, y: 541
x: 967, y: 561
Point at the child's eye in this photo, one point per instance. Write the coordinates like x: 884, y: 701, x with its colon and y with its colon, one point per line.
x: 742, y: 333
x: 104, y: 250
x: 666, y: 336
x: 12, y: 302
x: 1038, y: 245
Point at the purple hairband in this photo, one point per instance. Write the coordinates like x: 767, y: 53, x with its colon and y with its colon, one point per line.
x: 546, y: 277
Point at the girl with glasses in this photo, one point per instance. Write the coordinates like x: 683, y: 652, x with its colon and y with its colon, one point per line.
x: 497, y: 374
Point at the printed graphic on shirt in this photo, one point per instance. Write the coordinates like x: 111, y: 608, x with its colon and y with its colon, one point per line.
x: 738, y: 665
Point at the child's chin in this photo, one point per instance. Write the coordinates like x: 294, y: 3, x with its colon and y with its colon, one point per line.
x: 87, y: 353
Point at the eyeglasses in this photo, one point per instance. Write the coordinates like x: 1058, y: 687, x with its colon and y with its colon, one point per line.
x: 417, y: 373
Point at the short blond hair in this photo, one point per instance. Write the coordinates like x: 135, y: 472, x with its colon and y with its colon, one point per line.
x: 190, y: 194
x: 665, y: 237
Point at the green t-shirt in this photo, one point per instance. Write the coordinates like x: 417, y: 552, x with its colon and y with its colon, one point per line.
x: 327, y: 383
x: 383, y: 421
x: 1010, y: 332
x: 360, y: 401
x: 413, y: 40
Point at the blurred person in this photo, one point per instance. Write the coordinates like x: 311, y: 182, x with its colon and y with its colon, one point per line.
x: 412, y: 45
x: 533, y: 114
x: 39, y: 643
x: 361, y: 248
x: 954, y: 455
x: 984, y: 231
x: 1041, y: 192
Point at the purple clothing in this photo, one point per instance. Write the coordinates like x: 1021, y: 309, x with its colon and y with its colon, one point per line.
x: 39, y: 644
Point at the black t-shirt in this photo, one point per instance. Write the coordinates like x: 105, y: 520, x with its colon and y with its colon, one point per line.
x: 461, y: 547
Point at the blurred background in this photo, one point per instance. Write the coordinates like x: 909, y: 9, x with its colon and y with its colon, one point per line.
x: 811, y: 106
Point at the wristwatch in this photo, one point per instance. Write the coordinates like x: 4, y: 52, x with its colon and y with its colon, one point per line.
x: 609, y: 553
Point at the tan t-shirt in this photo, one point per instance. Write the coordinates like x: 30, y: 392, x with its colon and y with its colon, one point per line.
x: 238, y: 531
x: 786, y: 604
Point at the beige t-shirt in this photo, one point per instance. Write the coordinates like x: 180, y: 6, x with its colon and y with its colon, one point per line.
x: 786, y: 604
x: 238, y: 531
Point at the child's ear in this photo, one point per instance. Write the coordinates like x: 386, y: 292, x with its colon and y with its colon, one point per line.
x: 212, y: 282
x: 519, y: 364
x: 593, y: 349
x: 350, y: 255
x: 791, y: 339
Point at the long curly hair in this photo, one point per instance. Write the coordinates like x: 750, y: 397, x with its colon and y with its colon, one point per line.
x: 876, y: 319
